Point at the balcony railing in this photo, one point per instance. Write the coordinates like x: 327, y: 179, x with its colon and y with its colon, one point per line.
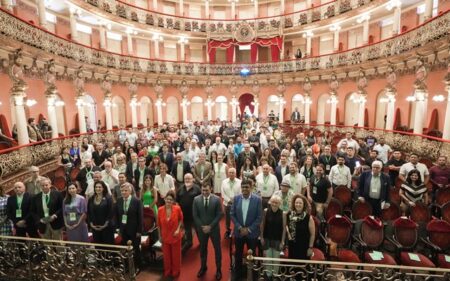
x: 15, y: 28
x: 336, y: 271
x: 15, y: 160
x: 226, y: 26
x: 40, y: 259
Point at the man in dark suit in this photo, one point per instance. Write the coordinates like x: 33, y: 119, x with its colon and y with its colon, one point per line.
x: 129, y: 220
x: 295, y: 116
x: 373, y: 187
x: 131, y: 167
x: 282, y: 169
x: 246, y: 214
x: 140, y: 173
x: 100, y: 156
x: 179, y: 169
x: 244, y: 154
x: 18, y: 208
x: 166, y: 156
x: 47, y: 211
x: 86, y: 175
x: 207, y: 212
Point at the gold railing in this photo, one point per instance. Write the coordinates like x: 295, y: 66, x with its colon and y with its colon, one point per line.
x: 257, y: 268
x: 41, y: 259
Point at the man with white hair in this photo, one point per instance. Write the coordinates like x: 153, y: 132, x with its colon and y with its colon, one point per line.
x: 33, y: 183
x: 109, y: 175
x: 266, y: 184
x: 219, y: 147
x: 230, y: 187
x: 373, y: 187
x: 90, y: 190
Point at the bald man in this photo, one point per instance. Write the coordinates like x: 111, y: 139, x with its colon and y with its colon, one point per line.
x: 18, y: 208
x: 266, y: 184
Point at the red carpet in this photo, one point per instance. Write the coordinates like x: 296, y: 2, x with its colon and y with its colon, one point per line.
x: 191, y: 260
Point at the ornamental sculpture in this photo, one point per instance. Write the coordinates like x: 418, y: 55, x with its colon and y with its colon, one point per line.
x: 421, y: 75
x: 362, y: 82
x: 158, y: 88
x: 106, y: 85
x: 244, y: 32
x: 333, y: 84
x: 209, y: 89
x: 281, y: 88
x: 184, y: 88
x: 50, y: 79
x: 307, y: 85
x: 15, y: 72
x: 79, y: 82
x: 233, y: 89
x: 133, y: 87
x: 256, y: 88
x: 391, y: 78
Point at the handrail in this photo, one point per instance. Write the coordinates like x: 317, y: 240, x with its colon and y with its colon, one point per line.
x: 62, y: 242
x: 310, y: 63
x: 218, y: 19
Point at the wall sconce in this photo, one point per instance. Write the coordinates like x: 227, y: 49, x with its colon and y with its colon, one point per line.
x: 439, y: 98
x: 30, y: 103
x: 333, y: 99
x: 157, y: 37
x: 134, y: 103
x: 59, y: 103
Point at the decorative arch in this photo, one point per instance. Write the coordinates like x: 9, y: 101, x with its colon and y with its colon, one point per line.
x: 118, y: 112
x: 273, y: 104
x: 172, y: 110
x: 322, y: 108
x: 197, y: 109
x: 90, y: 112
x: 245, y: 103
x: 221, y: 105
x: 351, y: 110
x: 381, y: 110
x: 297, y: 102
x: 146, y: 111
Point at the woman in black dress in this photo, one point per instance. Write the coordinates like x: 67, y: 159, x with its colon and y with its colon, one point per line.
x: 100, y: 215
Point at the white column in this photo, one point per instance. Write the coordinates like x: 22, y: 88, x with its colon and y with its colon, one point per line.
x: 159, y: 111
x: 155, y: 5
x: 207, y: 13
x: 102, y: 33
x: 282, y: 103
x: 233, y: 9
x: 7, y: 4
x: 418, y: 115
x: 425, y: 111
x: 184, y: 102
x: 334, y: 102
x: 233, y: 109
x: 209, y: 108
x: 255, y: 5
x: 308, y: 4
x: 156, y: 49
x: 336, y: 40
x: 133, y: 105
x: 108, y: 103
x: 428, y: 9
x: 21, y: 122
x: 41, y: 12
x: 52, y: 119
x: 256, y: 108
x: 182, y: 52
x: 307, y: 110
x: 446, y: 133
x: 73, y: 25
x: 390, y: 111
x: 81, y: 118
x: 181, y: 8
x: 361, y: 110
x: 308, y: 45
x: 282, y: 7
x: 396, y: 26
x: 366, y: 31
x: 130, y: 44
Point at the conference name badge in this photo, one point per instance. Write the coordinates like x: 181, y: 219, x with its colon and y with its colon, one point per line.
x: 124, y: 219
x: 19, y: 213
x: 72, y: 216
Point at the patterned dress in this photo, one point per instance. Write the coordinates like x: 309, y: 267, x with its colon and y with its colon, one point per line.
x: 6, y: 226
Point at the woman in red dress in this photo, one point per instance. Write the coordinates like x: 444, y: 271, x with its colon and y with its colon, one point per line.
x: 170, y: 218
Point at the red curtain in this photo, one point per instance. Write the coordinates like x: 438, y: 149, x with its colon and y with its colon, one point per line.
x: 212, y: 55
x: 230, y: 54
x: 246, y: 100
x: 275, y: 53
x: 253, y: 52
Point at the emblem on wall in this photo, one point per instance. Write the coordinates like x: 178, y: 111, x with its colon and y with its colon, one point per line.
x: 244, y: 32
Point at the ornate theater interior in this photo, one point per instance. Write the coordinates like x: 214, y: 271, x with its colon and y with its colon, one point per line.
x: 100, y: 71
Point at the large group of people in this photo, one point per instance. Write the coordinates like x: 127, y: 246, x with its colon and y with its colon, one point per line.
x: 188, y: 177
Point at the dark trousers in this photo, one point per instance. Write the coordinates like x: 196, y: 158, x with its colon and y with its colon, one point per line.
x: 23, y: 231
x: 136, y: 241
x: 105, y: 236
x: 239, y: 252
x: 188, y: 230
x: 228, y: 217
x: 376, y: 206
x: 215, y: 239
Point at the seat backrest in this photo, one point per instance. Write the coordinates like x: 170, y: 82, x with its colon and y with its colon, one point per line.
x: 405, y: 231
x: 445, y: 212
x: 420, y: 213
x: 149, y: 219
x: 439, y: 233
x: 442, y: 196
x: 339, y: 229
x: 343, y: 194
x: 360, y: 210
x: 372, y: 232
x: 334, y: 208
x: 394, y: 195
x: 390, y: 214
x: 317, y: 227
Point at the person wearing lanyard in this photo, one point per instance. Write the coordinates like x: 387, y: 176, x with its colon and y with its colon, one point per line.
x: 85, y: 176
x: 340, y: 174
x: 320, y: 191
x: 47, y: 211
x: 373, y: 187
x: 308, y: 169
x: 230, y: 187
x: 18, y: 211
x: 139, y: 175
x: 286, y: 194
x: 297, y: 181
x: 327, y: 159
x: 163, y: 182
x: 129, y: 217
x: 74, y: 213
x: 203, y: 171
x: 266, y: 184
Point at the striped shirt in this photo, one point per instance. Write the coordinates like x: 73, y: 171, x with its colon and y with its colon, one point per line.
x: 413, y: 192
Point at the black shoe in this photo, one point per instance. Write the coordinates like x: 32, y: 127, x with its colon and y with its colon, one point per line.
x: 201, y: 272
x: 218, y: 275
x: 227, y: 234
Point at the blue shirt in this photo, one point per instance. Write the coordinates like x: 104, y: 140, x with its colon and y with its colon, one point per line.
x: 245, y: 205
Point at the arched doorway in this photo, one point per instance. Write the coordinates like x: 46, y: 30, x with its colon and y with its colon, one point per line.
x: 322, y: 108
x: 146, y: 112
x: 172, y: 112
x: 297, y: 102
x: 118, y: 112
x: 351, y: 110
x: 221, y: 108
x: 273, y: 104
x: 245, y: 104
x: 197, y: 109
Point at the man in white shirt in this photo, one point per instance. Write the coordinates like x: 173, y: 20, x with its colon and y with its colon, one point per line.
x: 188, y: 154
x: 266, y: 184
x: 131, y: 137
x: 90, y: 190
x: 109, y: 175
x: 383, y: 150
x: 219, y: 147
x: 414, y: 164
x: 350, y: 142
x: 297, y: 181
x: 231, y: 187
x: 340, y: 174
